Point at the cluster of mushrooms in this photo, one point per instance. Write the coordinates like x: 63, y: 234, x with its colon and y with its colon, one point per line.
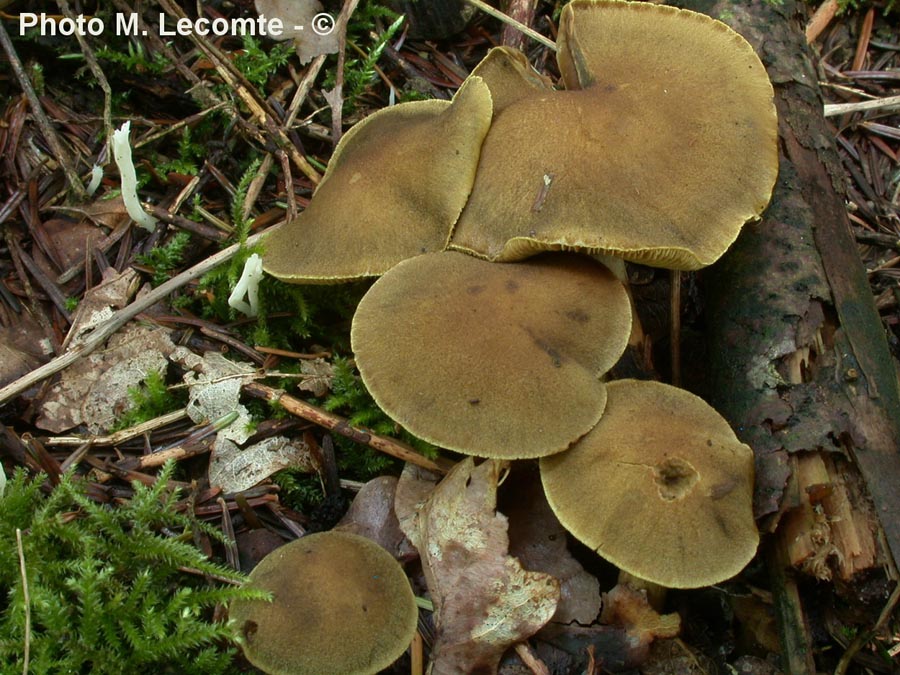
x: 493, y: 320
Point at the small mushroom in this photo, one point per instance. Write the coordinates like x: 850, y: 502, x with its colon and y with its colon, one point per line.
x: 393, y: 189
x: 662, y: 146
x: 661, y: 487
x: 341, y: 605
x: 492, y: 360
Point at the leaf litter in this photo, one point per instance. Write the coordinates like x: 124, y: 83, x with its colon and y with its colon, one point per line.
x: 484, y: 600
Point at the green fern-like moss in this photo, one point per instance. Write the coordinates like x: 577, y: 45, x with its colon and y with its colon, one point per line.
x: 107, y: 590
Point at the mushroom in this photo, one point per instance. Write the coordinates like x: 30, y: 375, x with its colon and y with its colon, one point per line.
x: 661, y: 487
x: 509, y: 77
x: 662, y: 146
x: 341, y: 604
x: 498, y: 361
x: 393, y: 189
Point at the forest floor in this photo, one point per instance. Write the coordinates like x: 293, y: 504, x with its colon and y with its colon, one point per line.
x: 112, y: 335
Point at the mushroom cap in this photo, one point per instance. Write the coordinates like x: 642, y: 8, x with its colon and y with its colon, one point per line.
x: 509, y: 77
x: 393, y: 189
x: 661, y: 487
x: 492, y: 360
x: 342, y: 604
x: 663, y: 146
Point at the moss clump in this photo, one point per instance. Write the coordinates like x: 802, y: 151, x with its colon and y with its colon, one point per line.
x: 107, y: 593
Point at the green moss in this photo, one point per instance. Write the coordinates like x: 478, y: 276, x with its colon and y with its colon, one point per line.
x: 150, y: 400
x: 107, y: 590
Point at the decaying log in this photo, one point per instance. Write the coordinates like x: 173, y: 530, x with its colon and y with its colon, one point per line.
x: 798, y: 359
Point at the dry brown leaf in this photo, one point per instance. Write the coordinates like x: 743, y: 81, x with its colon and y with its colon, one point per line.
x: 372, y: 515
x: 294, y: 13
x: 94, y: 390
x: 101, y: 301
x: 235, y: 469
x: 23, y: 346
x: 538, y: 540
x: 628, y: 608
x: 316, y: 376
x: 484, y: 600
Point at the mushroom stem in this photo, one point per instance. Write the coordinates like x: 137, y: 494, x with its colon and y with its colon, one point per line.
x: 675, y: 326
x: 656, y: 594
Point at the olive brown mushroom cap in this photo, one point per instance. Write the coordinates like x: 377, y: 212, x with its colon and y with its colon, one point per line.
x: 341, y: 605
x: 663, y: 146
x: 492, y: 360
x: 393, y: 189
x: 661, y: 487
x: 509, y: 77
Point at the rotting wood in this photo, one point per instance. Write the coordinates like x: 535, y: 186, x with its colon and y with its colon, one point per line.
x: 794, y: 282
x: 797, y: 357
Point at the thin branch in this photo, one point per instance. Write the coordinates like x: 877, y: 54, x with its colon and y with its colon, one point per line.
x: 339, y: 425
x: 100, y: 334
x: 509, y: 21
x: 59, y: 150
x: 26, y: 598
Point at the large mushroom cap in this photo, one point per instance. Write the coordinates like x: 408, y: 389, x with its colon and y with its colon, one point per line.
x: 393, y: 189
x: 661, y: 487
x: 663, y: 146
x: 341, y: 604
x: 492, y: 360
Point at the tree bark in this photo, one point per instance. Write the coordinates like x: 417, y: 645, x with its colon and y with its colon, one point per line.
x: 798, y: 357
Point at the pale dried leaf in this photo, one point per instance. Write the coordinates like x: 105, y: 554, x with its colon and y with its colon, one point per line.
x: 372, y: 515
x: 539, y: 541
x: 101, y: 301
x: 94, y: 390
x: 215, y: 390
x: 234, y: 469
x: 484, y: 600
x: 413, y: 489
x: 316, y: 376
x: 297, y: 13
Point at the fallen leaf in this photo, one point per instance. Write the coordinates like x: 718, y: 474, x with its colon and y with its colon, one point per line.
x: 628, y: 608
x: 371, y: 515
x: 414, y: 487
x: 215, y: 390
x: 539, y: 541
x: 316, y: 376
x: 23, y: 346
x: 94, y: 390
x: 101, y: 301
x: 298, y: 17
x: 484, y: 601
x: 234, y: 469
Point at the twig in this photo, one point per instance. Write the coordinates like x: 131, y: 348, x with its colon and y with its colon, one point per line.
x: 335, y: 97
x: 100, y: 334
x: 832, y: 109
x: 189, y: 446
x: 533, y: 34
x: 339, y: 425
x: 260, y: 109
x: 820, y: 20
x: 532, y: 662
x: 675, y: 327
x: 120, y: 436
x: 62, y: 155
x: 26, y: 598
